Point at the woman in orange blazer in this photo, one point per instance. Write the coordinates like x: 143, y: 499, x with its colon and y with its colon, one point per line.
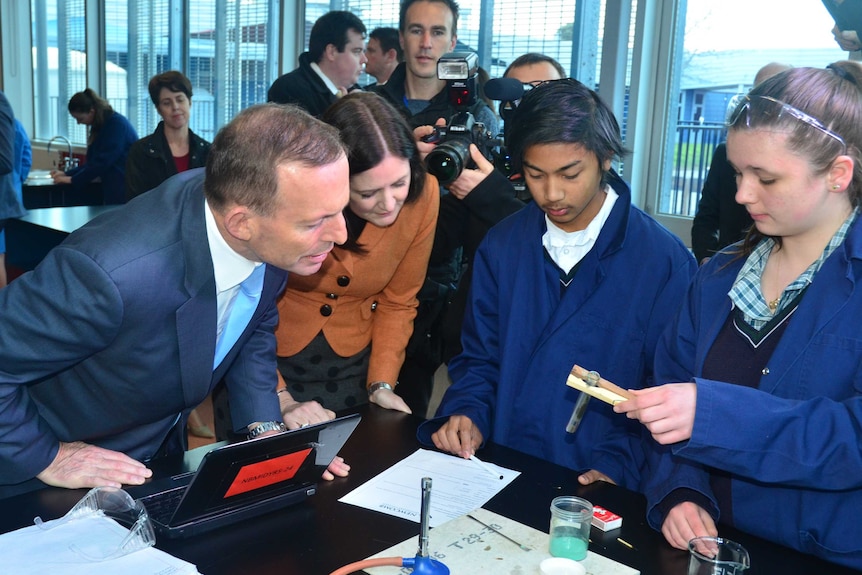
x: 349, y: 324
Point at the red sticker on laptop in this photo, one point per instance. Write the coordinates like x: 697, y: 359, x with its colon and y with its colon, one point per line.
x: 268, y: 472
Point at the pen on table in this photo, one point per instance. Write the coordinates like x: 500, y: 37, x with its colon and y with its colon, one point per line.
x: 500, y: 533
x: 485, y: 466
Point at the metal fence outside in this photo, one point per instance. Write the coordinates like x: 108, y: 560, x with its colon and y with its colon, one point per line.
x: 693, y: 149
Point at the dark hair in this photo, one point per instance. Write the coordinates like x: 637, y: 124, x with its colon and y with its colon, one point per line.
x: 242, y: 164
x: 372, y: 129
x: 388, y: 38
x: 331, y: 28
x: 531, y: 58
x: 83, y: 102
x: 173, y: 81
x: 833, y: 97
x: 564, y: 111
x: 451, y: 4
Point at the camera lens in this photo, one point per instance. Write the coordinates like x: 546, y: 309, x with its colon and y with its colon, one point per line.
x: 446, y: 161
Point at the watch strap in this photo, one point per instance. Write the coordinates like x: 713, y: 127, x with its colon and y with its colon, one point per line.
x: 262, y: 428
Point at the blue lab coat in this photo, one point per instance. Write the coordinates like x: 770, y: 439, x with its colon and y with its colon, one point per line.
x: 793, y: 446
x: 521, y: 338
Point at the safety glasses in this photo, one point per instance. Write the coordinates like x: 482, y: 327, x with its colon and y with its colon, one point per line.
x: 766, y: 111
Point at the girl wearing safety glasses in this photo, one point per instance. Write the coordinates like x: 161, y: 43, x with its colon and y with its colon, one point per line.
x: 766, y: 433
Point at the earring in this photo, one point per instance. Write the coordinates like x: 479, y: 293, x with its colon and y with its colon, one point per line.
x: 835, y: 186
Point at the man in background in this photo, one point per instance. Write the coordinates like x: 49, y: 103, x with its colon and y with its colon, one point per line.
x: 330, y: 68
x: 383, y: 53
x: 533, y: 67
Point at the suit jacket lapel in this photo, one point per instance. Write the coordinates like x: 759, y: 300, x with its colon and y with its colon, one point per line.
x: 196, y: 319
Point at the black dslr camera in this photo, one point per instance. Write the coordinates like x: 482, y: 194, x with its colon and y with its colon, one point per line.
x: 452, y: 155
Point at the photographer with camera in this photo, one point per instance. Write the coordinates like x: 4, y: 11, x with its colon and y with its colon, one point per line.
x: 428, y: 31
x: 485, y: 185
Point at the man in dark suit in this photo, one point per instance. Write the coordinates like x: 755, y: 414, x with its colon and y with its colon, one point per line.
x: 110, y: 342
x: 330, y: 68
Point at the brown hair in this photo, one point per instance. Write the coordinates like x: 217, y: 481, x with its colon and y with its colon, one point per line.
x: 241, y: 165
x: 173, y: 81
x: 830, y: 95
x: 83, y: 102
x: 372, y: 129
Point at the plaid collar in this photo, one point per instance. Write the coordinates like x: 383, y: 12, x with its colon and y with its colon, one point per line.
x: 746, y: 294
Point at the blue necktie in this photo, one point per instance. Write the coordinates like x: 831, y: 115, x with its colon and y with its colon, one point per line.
x: 243, y: 307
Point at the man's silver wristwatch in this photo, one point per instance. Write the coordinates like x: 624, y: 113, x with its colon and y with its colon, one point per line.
x: 261, y: 428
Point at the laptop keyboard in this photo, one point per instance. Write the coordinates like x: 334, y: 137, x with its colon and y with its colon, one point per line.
x: 161, y: 506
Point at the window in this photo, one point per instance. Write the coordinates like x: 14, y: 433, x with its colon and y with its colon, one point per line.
x: 514, y: 28
x: 227, y: 48
x: 59, y: 65
x: 716, y: 54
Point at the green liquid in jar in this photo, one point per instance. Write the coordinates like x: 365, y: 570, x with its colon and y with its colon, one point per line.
x: 566, y: 543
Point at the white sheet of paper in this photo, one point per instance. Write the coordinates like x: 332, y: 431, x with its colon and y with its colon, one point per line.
x: 458, y: 486
x: 36, y: 550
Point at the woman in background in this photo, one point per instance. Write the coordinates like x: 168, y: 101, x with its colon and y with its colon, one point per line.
x: 172, y: 148
x: 109, y: 137
x: 766, y: 433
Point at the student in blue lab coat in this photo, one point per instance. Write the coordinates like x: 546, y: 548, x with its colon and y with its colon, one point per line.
x: 766, y: 432
x: 579, y: 275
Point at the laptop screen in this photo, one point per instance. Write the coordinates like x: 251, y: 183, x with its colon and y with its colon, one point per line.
x: 244, y: 473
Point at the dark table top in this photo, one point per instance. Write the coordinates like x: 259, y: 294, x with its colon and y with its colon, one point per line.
x: 321, y: 534
x: 65, y: 219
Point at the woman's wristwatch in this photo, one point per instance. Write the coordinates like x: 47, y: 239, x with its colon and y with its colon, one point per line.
x: 262, y: 428
x: 378, y: 385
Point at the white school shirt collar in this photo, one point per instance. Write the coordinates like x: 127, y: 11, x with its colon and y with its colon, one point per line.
x: 568, y: 248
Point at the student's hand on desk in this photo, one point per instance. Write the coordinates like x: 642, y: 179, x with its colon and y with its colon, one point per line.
x: 459, y: 436
x: 469, y: 179
x: 390, y: 400
x: 667, y: 411
x: 594, y: 475
x: 685, y: 522
x: 80, y: 464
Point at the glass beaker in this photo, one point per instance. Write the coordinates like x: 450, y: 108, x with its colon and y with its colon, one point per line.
x: 716, y: 556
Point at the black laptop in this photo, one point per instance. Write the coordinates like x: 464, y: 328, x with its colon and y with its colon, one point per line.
x: 243, y: 480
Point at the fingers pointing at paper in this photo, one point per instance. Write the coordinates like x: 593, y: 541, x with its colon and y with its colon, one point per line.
x: 667, y: 411
x: 459, y: 436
